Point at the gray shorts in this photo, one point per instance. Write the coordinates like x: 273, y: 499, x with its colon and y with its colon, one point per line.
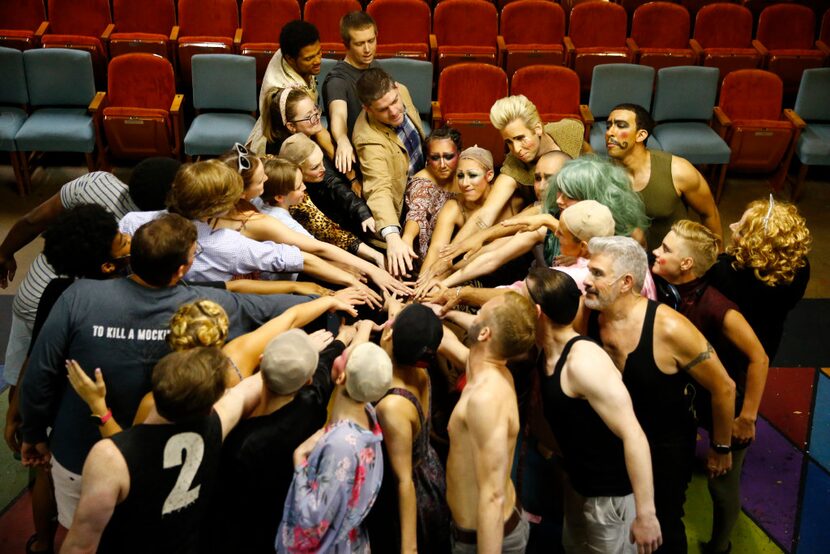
x: 514, y: 543
x: 595, y: 524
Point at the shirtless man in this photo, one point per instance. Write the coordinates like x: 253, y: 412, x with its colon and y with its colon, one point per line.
x: 486, y: 515
x: 655, y: 347
x: 666, y: 183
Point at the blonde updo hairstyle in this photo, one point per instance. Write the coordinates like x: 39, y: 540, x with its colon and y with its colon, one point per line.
x: 774, y: 250
x: 702, y: 245
x: 204, y: 189
x: 201, y: 323
x: 506, y: 110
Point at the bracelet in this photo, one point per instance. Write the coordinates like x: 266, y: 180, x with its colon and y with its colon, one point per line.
x: 102, y: 419
x: 720, y: 448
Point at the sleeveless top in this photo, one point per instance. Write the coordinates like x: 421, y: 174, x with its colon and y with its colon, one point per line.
x: 663, y: 205
x: 172, y: 470
x: 594, y: 457
x: 662, y: 402
x: 430, y: 489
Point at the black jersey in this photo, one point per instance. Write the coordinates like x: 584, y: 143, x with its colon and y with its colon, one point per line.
x: 172, y: 470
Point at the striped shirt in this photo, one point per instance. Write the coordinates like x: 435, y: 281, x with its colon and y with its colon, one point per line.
x: 226, y: 253
x: 99, y: 187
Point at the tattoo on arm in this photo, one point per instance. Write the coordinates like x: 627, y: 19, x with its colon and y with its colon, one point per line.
x: 702, y: 357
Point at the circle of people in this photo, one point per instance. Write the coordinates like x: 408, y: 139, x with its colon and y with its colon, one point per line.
x: 567, y: 302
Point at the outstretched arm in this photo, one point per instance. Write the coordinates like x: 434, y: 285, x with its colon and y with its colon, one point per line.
x: 503, y: 189
x: 24, y: 231
x: 489, y: 261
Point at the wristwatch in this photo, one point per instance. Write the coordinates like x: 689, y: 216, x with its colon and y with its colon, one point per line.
x: 101, y: 420
x: 720, y: 448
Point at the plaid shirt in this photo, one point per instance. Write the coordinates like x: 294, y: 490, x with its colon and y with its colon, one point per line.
x: 410, y: 138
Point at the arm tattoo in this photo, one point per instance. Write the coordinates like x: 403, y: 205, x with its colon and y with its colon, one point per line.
x: 702, y: 357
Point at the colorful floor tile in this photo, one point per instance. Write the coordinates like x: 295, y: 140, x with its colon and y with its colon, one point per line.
x: 787, y: 401
x: 814, y: 533
x: 820, y: 433
x: 770, y: 483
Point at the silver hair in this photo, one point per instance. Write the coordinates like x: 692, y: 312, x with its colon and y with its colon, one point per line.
x: 627, y: 256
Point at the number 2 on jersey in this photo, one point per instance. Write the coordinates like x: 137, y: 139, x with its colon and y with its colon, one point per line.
x: 194, y: 449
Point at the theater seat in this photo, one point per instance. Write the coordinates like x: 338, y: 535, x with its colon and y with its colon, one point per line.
x: 466, y: 92
x: 261, y: 22
x: 141, y: 111
x: 553, y: 89
x: 403, y: 28
x: 466, y: 31
x: 811, y: 105
x: 749, y: 118
x: 325, y: 15
x: 786, y: 32
x: 532, y: 33
x: 723, y: 38
x: 205, y: 27
x: 596, y: 36
x: 81, y: 25
x: 660, y: 35
x: 142, y: 26
x: 14, y: 101
x: 22, y: 23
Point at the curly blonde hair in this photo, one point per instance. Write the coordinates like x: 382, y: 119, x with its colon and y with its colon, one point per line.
x: 702, y: 244
x: 775, y: 249
x: 202, y: 323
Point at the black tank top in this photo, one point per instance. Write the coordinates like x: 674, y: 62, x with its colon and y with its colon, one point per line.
x: 172, y: 470
x: 661, y: 403
x: 594, y: 457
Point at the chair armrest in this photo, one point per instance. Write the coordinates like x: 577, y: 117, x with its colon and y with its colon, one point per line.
x: 823, y: 46
x: 756, y: 44
x: 174, y: 34
x: 501, y: 53
x: 794, y: 118
x: 436, y: 114
x: 41, y: 30
x: 633, y: 48
x: 237, y: 39
x: 178, y: 122
x: 433, y: 49
x: 98, y: 102
x: 105, y: 36
x: 569, y: 49
x: 696, y: 48
x: 176, y: 105
x: 721, y: 123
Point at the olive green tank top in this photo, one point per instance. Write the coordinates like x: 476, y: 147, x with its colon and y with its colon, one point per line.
x: 663, y: 205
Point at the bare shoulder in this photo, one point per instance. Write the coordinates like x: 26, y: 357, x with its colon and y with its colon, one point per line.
x: 685, y: 175
x: 671, y: 326
x: 395, y: 409
x: 590, y: 366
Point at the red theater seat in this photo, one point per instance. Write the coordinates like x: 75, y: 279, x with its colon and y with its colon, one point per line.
x: 22, y: 23
x: 466, y: 31
x: 80, y: 25
x: 532, y: 33
x: 403, y: 28
x: 325, y: 15
x: 142, y: 26
x: 261, y: 23
x: 596, y: 36
x: 723, y: 38
x: 660, y: 35
x: 554, y: 90
x: 205, y: 27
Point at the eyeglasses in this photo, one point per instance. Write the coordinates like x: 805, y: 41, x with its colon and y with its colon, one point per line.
x: 446, y: 156
x: 242, y: 161
x: 314, y: 118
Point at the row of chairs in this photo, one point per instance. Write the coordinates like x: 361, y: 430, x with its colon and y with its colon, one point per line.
x: 141, y: 114
x: 529, y: 32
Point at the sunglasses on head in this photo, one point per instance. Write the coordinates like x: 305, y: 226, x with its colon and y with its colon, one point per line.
x: 242, y: 161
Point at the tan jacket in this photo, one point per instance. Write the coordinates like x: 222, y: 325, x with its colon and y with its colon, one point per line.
x: 384, y: 163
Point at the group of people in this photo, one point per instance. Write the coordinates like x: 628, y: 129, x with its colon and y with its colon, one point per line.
x: 453, y: 321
